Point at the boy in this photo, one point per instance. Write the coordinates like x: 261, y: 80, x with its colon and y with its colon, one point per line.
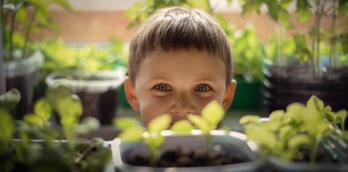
x: 179, y: 61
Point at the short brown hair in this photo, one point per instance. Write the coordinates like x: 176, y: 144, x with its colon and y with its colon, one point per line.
x: 179, y: 28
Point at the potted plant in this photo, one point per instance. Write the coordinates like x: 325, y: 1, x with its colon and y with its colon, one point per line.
x: 248, y: 56
x: 307, y: 137
x: 310, y: 70
x: 94, y: 73
x: 34, y: 144
x: 181, y: 148
x: 20, y: 22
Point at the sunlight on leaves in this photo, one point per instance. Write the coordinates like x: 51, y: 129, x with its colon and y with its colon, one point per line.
x: 125, y: 123
x: 199, y: 122
x: 213, y: 112
x: 182, y: 127
x: 159, y: 123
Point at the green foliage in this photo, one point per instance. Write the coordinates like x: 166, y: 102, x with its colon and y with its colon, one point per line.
x: 132, y: 131
x: 277, y: 9
x: 182, y: 127
x: 141, y: 10
x: 34, y: 145
x: 10, y: 99
x: 60, y: 56
x: 248, y: 54
x: 287, y: 132
x: 211, y: 116
x: 22, y: 20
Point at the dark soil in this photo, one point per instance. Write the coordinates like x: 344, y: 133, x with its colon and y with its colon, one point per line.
x: 101, y: 105
x: 25, y: 85
x: 220, y: 155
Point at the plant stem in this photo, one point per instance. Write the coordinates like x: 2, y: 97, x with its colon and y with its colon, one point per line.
x: 153, y: 158
x: 2, y: 69
x: 333, y: 39
x: 281, y: 60
x: 27, y: 33
x: 315, y: 149
x: 12, y: 20
x: 316, y: 55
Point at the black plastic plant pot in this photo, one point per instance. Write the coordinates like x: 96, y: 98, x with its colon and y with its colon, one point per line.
x: 288, y: 166
x: 22, y: 74
x: 98, y: 92
x: 288, y: 84
x: 58, y: 155
x: 223, y: 151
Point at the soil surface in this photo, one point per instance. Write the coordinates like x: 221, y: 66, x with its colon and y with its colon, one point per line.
x: 220, y: 154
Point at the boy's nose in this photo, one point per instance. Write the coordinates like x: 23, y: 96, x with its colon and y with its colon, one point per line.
x: 181, y: 108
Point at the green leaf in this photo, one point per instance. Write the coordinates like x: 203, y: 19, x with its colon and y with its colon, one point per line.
x: 202, y: 4
x: 213, y: 112
x: 125, y: 123
x: 34, y: 119
x: 314, y: 103
x: 299, y: 140
x: 250, y: 6
x: 6, y: 125
x: 154, y: 141
x: 261, y: 136
x: 58, y: 91
x: 341, y: 118
x: 182, y: 127
x: 159, y: 123
x: 249, y: 119
x: 132, y: 134
x: 43, y: 109
x: 69, y: 109
x: 199, y: 122
x: 303, y: 10
x: 10, y: 99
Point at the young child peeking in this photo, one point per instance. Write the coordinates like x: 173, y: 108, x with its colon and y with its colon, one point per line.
x: 179, y: 61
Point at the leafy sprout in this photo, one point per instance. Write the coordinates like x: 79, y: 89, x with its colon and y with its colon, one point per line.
x: 287, y: 132
x: 132, y: 131
x: 47, y: 151
x: 212, y: 114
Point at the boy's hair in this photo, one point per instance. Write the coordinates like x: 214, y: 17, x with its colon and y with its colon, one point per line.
x: 179, y: 28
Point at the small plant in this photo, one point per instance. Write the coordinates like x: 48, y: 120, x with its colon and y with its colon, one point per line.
x: 132, y: 131
x: 288, y: 133
x: 21, y: 20
x: 33, y: 144
x: 212, y: 114
x: 84, y: 59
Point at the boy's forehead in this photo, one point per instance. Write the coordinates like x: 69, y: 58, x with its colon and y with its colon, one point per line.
x: 191, y: 61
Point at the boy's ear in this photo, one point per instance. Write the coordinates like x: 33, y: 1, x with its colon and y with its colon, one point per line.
x: 229, y: 94
x: 131, y: 95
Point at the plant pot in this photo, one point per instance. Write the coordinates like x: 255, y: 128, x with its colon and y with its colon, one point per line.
x: 288, y: 84
x: 248, y: 95
x: 22, y: 74
x: 58, y: 155
x: 98, y: 93
x: 232, y: 146
x: 289, y: 166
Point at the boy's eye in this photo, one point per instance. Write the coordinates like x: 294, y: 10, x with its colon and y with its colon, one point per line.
x: 162, y: 87
x: 202, y: 88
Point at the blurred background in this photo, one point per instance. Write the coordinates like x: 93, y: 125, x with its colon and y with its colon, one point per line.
x: 283, y: 51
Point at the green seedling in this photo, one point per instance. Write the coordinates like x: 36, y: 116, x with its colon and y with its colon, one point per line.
x: 299, y: 126
x: 34, y: 145
x: 132, y: 131
x: 212, y: 114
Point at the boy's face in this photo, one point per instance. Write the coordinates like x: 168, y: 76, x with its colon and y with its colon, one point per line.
x: 179, y: 82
